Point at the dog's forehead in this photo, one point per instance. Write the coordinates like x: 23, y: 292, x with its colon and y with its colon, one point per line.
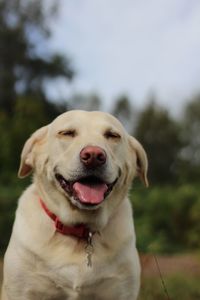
x: 84, y: 119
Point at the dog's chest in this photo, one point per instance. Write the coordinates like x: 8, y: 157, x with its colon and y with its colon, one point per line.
x: 83, y: 282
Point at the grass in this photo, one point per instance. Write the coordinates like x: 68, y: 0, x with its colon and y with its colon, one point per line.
x: 179, y: 286
x: 180, y: 274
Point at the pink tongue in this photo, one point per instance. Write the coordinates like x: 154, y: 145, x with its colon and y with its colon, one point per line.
x: 93, y: 194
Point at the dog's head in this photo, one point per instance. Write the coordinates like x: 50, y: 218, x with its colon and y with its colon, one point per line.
x: 85, y: 160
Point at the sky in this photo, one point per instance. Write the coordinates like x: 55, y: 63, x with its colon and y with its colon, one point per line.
x: 132, y: 47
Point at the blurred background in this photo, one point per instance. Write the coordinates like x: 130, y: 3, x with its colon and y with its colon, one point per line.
x: 138, y: 60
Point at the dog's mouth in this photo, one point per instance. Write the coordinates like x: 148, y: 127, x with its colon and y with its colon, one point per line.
x: 89, y: 190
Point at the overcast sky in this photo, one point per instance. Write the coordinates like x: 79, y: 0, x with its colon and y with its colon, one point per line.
x: 131, y: 46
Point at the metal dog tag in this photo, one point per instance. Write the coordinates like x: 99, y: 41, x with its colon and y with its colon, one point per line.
x: 89, y: 250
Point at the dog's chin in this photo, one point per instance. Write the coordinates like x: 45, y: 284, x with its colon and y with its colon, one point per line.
x: 85, y: 192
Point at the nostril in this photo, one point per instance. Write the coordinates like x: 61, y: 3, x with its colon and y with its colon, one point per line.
x: 101, y: 157
x: 85, y: 156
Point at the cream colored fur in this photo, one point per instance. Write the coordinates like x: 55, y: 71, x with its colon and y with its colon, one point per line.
x: 41, y: 264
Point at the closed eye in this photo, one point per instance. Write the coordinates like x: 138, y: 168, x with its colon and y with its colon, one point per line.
x: 68, y: 132
x: 112, y: 135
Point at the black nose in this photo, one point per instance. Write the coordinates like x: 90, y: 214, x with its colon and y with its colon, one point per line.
x: 93, y: 156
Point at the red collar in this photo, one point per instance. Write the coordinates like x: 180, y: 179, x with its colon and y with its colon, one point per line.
x: 80, y: 231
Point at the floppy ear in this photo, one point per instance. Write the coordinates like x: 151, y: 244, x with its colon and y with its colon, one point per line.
x: 142, y: 161
x: 26, y: 164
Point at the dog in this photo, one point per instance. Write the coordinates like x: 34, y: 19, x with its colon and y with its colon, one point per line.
x: 73, y: 236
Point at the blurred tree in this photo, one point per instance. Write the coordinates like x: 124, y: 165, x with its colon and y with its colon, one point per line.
x: 94, y: 102
x: 89, y: 102
x: 25, y: 63
x: 160, y: 136
x: 190, y: 163
x: 123, y: 110
x: 29, y: 114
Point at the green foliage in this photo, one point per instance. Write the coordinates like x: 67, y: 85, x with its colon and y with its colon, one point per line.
x: 29, y: 114
x: 160, y: 136
x: 167, y: 218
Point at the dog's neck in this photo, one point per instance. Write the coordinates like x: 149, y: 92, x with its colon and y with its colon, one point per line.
x: 80, y: 231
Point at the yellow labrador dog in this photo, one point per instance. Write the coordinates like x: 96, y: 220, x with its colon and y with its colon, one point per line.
x: 73, y: 236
